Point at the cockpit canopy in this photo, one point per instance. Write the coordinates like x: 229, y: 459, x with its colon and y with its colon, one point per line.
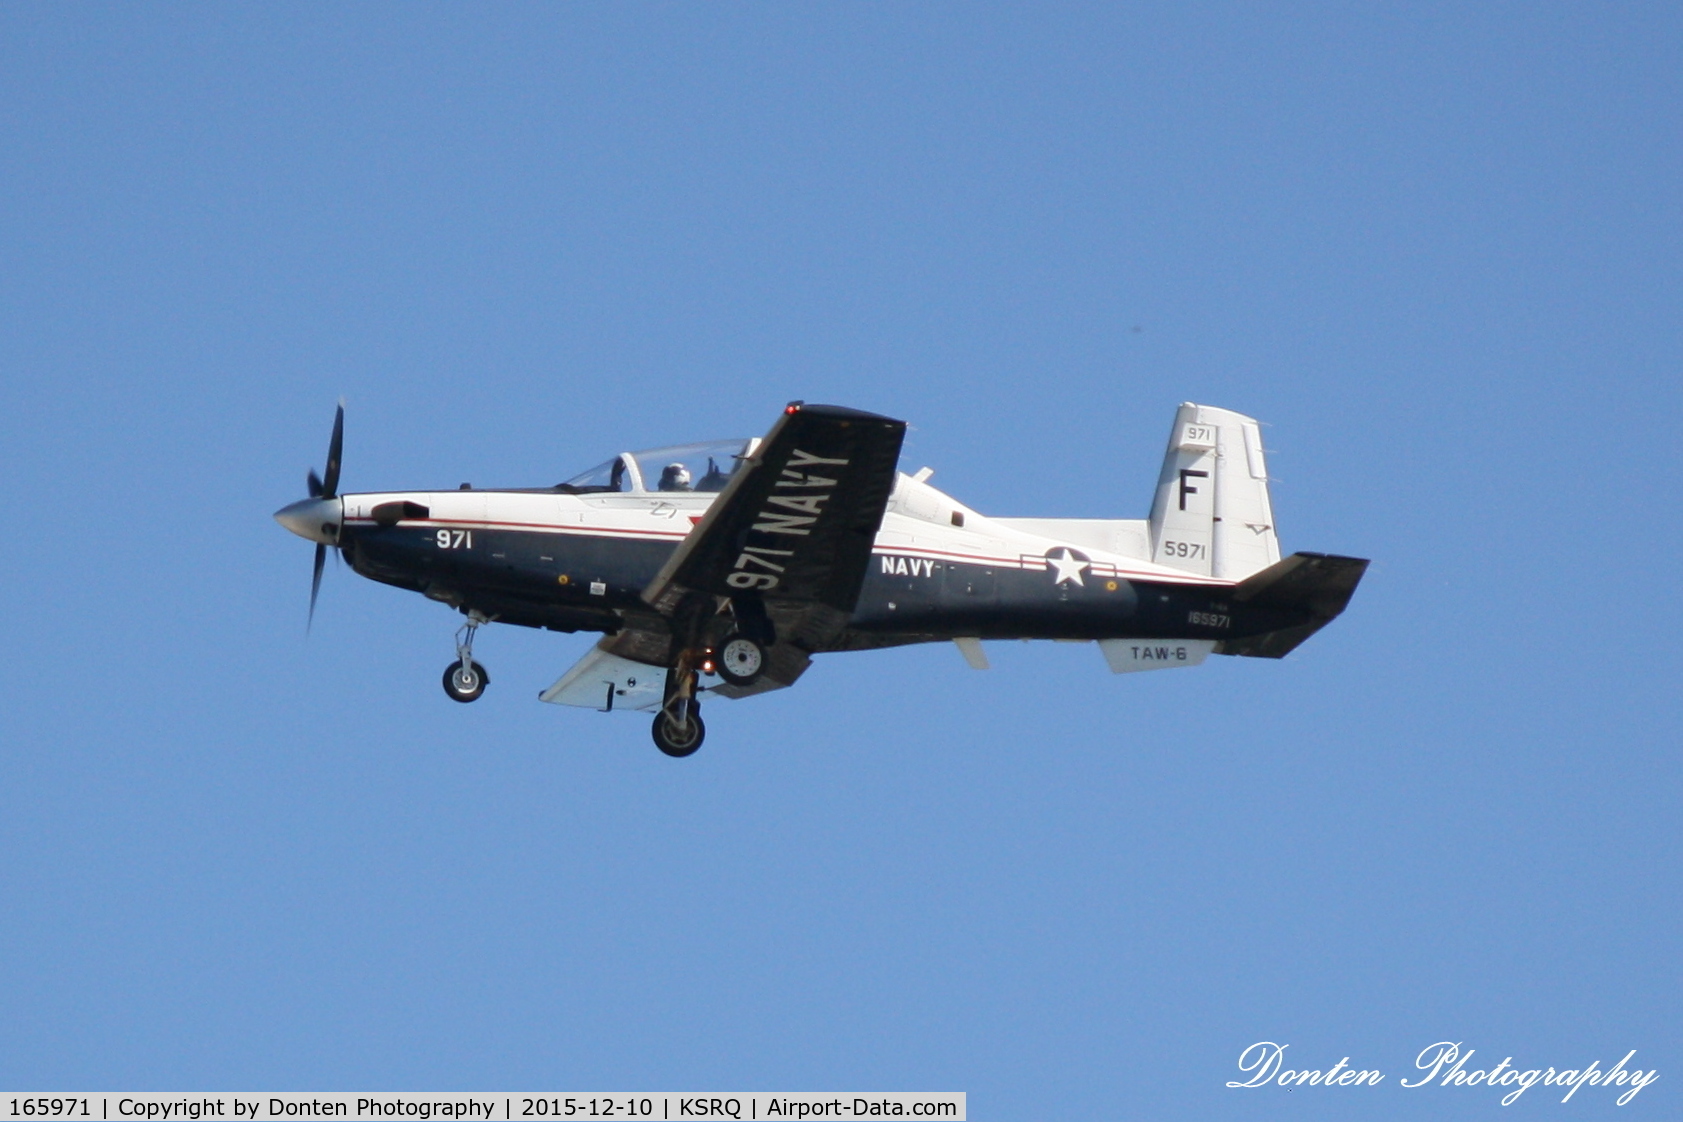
x: 704, y: 467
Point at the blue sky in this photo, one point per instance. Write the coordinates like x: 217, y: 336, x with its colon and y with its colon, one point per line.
x: 1437, y: 248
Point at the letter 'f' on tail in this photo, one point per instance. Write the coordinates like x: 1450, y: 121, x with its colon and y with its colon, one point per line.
x: 1211, y: 515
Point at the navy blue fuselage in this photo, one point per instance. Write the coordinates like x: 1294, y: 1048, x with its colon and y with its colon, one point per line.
x: 582, y: 582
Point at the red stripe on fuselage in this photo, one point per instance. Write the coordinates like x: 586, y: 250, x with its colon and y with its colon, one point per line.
x: 541, y: 527
x: 879, y: 551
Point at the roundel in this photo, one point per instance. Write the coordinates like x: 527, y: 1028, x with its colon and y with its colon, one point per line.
x: 1066, y: 565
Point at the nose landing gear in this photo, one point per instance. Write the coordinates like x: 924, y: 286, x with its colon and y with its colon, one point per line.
x: 465, y: 683
x: 465, y: 679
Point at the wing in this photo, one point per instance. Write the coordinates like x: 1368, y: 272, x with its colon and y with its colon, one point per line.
x: 603, y: 680
x: 797, y: 521
x: 786, y: 543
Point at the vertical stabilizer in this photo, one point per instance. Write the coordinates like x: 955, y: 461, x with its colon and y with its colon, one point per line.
x: 1211, y: 515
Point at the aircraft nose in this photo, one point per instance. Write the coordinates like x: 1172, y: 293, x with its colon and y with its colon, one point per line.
x: 315, y: 519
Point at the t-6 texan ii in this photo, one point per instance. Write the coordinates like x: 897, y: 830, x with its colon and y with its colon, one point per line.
x: 722, y: 568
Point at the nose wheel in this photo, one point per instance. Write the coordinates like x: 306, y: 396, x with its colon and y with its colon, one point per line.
x: 465, y: 679
x: 465, y: 683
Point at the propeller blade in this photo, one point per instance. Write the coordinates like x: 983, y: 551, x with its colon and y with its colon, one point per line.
x: 319, y: 488
x: 315, y: 583
x: 330, y: 485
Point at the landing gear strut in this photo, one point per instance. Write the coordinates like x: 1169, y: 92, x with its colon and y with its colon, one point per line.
x: 465, y: 679
x: 678, y: 730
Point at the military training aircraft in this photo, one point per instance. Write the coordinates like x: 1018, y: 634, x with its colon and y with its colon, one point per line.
x: 722, y: 568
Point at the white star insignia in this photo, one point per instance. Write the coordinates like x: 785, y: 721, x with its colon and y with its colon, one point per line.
x: 1069, y: 567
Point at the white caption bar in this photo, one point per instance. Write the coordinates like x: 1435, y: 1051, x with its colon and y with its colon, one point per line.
x: 486, y: 1106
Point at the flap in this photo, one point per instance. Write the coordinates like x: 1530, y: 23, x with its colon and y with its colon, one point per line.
x: 606, y: 680
x: 603, y: 680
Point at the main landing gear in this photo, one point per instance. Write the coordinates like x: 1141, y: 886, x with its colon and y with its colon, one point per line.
x: 741, y: 660
x: 465, y: 679
x: 679, y: 738
x: 678, y: 730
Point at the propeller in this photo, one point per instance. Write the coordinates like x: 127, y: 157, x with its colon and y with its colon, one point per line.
x: 318, y: 517
x: 325, y: 489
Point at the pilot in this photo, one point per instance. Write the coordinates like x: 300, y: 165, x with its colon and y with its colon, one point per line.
x: 676, y: 477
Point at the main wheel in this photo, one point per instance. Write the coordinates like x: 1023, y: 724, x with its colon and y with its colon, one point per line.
x: 679, y: 740
x: 741, y: 660
x: 465, y: 684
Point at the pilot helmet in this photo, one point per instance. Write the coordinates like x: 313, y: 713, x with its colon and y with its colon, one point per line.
x: 675, y: 477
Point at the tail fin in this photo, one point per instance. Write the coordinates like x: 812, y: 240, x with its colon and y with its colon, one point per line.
x: 1211, y: 515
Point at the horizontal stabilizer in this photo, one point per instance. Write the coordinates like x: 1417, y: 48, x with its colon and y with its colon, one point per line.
x: 1314, y: 587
